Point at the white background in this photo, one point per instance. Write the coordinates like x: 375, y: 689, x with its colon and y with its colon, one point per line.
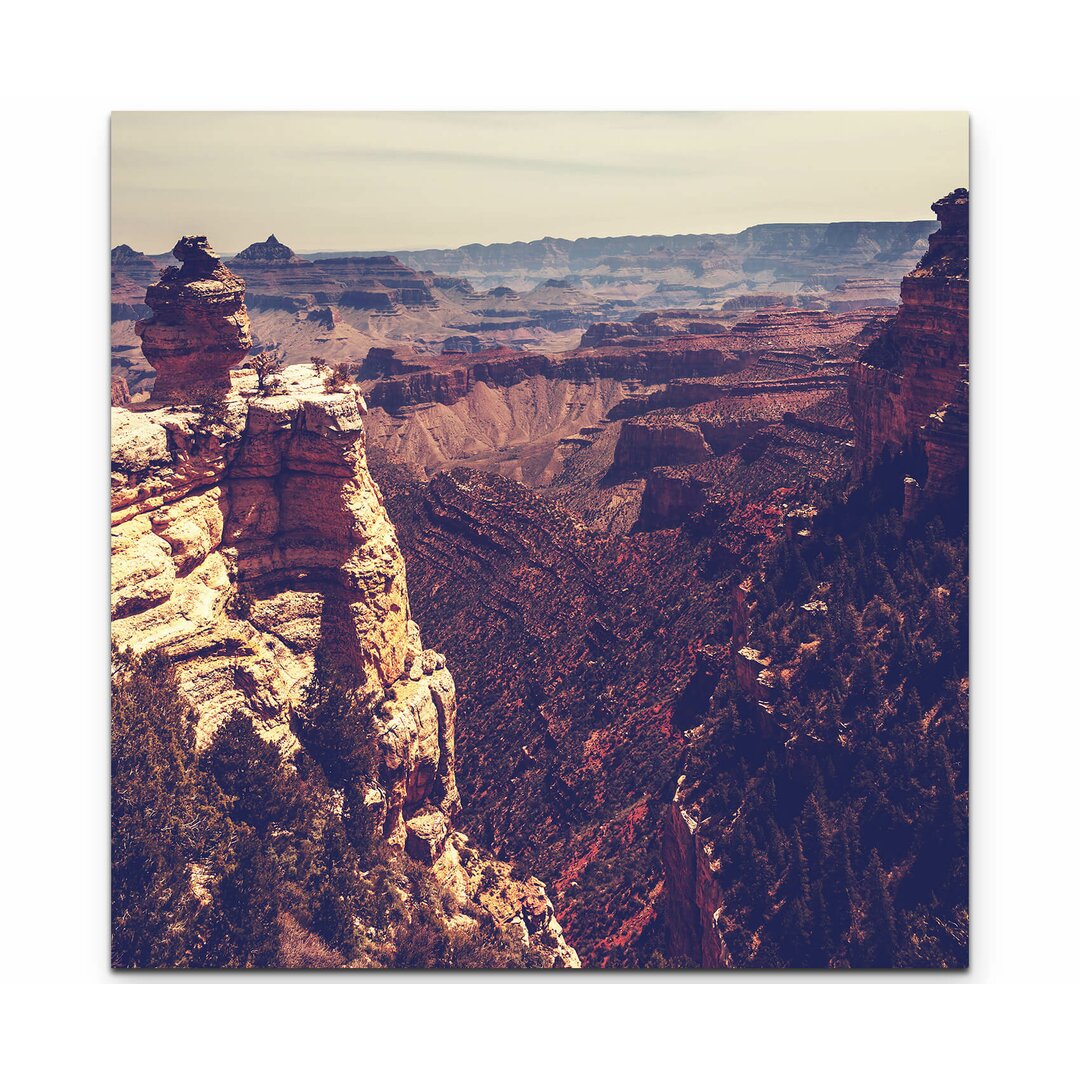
x: 66, y: 67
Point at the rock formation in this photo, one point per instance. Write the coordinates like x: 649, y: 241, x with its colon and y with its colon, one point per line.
x: 199, y: 327
x: 279, y: 279
x: 270, y: 250
x: 764, y: 253
x: 251, y: 545
x: 243, y: 544
x: 132, y: 271
x: 667, y: 440
x: 118, y: 390
x: 909, y: 394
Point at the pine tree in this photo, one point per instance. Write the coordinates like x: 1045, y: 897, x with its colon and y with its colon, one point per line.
x: 880, y: 943
x: 166, y: 820
x: 249, y: 770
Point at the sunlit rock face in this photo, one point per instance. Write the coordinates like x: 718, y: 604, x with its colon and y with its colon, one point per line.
x: 199, y: 325
x: 249, y: 537
x: 245, y: 542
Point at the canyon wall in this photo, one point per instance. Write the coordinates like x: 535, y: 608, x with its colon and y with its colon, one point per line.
x: 909, y: 393
x: 795, y: 252
x: 908, y: 398
x: 244, y: 544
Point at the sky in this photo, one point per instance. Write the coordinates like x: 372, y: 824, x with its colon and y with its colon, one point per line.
x: 408, y: 180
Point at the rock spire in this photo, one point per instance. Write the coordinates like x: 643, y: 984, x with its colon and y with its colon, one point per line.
x: 199, y: 325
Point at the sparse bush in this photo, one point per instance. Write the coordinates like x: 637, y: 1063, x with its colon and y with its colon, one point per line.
x: 211, y: 406
x: 267, y: 367
x: 337, y: 380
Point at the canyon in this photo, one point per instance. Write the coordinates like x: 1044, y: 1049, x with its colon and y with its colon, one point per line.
x: 250, y: 546
x: 682, y: 519
x: 540, y: 295
x: 614, y: 591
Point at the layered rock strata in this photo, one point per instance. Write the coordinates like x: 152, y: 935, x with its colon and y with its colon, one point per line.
x: 909, y: 394
x: 245, y: 542
x: 762, y: 254
x: 695, y: 903
x: 251, y: 545
x: 279, y: 278
x: 199, y: 325
x: 132, y: 271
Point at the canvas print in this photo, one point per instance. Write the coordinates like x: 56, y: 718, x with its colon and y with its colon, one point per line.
x: 539, y: 541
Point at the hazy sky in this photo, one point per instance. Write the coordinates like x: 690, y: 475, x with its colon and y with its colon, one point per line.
x: 361, y: 181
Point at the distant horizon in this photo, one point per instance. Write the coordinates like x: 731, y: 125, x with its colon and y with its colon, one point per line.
x: 227, y: 254
x: 415, y: 181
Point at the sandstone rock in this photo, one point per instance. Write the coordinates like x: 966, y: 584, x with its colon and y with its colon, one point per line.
x: 695, y: 902
x: 118, y: 391
x: 199, y: 325
x: 278, y: 279
x: 243, y: 540
x: 425, y: 836
x: 909, y: 393
x: 653, y: 441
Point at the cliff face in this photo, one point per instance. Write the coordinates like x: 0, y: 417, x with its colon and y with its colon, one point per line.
x: 695, y: 903
x: 132, y: 271
x: 279, y: 278
x: 250, y: 544
x: 805, y: 691
x: 643, y: 445
x: 245, y: 542
x: 909, y: 394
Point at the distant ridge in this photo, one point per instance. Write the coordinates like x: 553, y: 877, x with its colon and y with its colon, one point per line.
x: 634, y: 243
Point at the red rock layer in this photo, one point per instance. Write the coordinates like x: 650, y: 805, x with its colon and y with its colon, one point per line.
x: 909, y: 393
x: 414, y: 379
x: 199, y: 327
x: 278, y: 278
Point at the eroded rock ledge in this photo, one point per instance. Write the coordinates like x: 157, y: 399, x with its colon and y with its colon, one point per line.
x: 248, y: 537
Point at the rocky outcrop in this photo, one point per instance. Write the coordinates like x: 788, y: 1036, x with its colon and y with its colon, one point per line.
x: 199, y: 325
x: 271, y: 250
x: 945, y: 441
x: 671, y: 495
x: 909, y: 393
x: 248, y: 536
x: 695, y: 903
x: 119, y: 392
x: 251, y: 546
x: 643, y: 445
x: 132, y: 271
x: 278, y: 279
x: 863, y: 293
x: 125, y: 255
x: 445, y: 382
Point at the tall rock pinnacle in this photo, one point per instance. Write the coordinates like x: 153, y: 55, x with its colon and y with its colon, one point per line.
x: 199, y: 328
x: 909, y: 394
